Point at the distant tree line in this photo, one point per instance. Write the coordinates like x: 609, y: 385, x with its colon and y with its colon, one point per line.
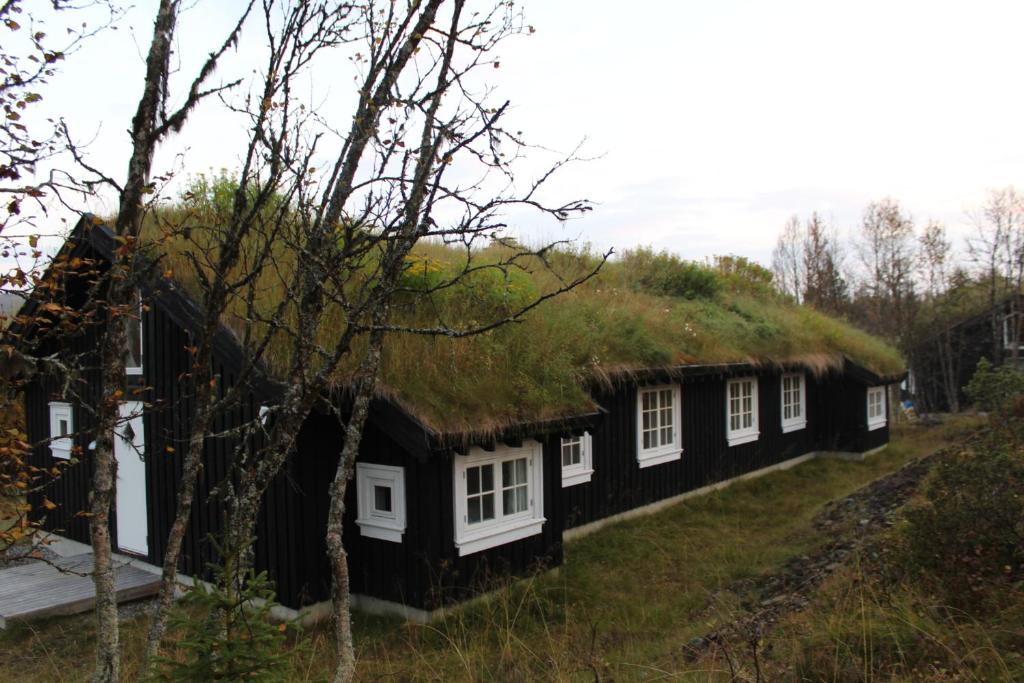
x: 906, y: 281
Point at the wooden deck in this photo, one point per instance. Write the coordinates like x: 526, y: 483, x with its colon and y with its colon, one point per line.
x: 39, y: 589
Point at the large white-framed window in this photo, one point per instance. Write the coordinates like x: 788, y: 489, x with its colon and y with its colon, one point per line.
x: 133, y: 332
x: 741, y: 410
x: 658, y: 437
x: 498, y: 496
x: 62, y: 426
x: 1012, y: 328
x: 877, y: 416
x: 577, y: 460
x: 380, y: 498
x: 794, y: 402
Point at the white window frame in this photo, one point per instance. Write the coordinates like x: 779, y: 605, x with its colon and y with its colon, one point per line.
x: 1008, y: 342
x: 579, y: 473
x: 472, y: 538
x: 797, y: 422
x: 137, y: 369
x: 877, y: 421
x: 747, y: 434
x: 60, y: 447
x: 374, y: 523
x: 648, y: 457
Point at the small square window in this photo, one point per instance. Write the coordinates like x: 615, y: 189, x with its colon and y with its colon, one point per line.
x: 380, y: 498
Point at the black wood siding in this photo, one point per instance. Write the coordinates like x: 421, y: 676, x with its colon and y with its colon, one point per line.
x: 836, y: 420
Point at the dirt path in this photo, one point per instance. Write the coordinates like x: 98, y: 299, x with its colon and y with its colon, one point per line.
x: 854, y: 522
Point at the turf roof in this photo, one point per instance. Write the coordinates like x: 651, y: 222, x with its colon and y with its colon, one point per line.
x: 643, y: 311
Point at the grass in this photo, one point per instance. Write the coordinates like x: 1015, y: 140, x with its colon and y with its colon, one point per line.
x: 644, y: 310
x: 626, y: 601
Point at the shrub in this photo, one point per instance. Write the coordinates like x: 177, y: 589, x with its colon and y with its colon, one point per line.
x: 666, y: 274
x: 969, y: 534
x: 225, y: 634
x: 995, y: 389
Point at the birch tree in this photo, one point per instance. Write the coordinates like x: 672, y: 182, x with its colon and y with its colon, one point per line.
x: 886, y: 246
x: 155, y: 118
x: 997, y: 250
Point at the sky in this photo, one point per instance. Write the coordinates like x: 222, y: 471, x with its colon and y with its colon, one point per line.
x: 708, y: 124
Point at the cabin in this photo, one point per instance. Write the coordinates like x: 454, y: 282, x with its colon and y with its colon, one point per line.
x: 942, y: 364
x: 436, y: 512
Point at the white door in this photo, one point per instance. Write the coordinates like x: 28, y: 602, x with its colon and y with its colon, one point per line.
x: 130, y: 449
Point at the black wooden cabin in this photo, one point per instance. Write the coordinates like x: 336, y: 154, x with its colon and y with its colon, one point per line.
x: 431, y: 516
x: 944, y: 362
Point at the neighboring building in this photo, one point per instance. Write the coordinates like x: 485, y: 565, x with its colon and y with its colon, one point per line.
x: 943, y: 363
x: 432, y: 513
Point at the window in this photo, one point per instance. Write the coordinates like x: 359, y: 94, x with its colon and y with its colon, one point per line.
x: 133, y: 331
x: 657, y: 416
x: 794, y: 415
x: 498, y: 496
x: 380, y: 498
x: 577, y: 461
x: 741, y: 411
x: 1012, y: 329
x: 876, y: 407
x: 62, y: 426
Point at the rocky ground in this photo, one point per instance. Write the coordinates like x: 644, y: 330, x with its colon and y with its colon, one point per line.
x: 854, y: 523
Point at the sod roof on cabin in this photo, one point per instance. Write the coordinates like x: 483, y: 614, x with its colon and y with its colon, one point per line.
x: 642, y: 311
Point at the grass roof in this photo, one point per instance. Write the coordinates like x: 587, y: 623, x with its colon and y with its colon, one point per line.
x: 625, y: 319
x: 642, y: 311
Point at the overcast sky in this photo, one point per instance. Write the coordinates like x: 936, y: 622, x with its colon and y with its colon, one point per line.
x: 712, y: 121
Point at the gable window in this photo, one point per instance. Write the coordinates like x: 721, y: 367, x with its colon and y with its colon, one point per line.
x: 133, y: 332
x: 498, y: 496
x: 657, y: 416
x: 876, y: 407
x: 380, y: 496
x: 62, y: 426
x: 741, y: 411
x: 1012, y: 329
x: 577, y: 467
x: 794, y: 413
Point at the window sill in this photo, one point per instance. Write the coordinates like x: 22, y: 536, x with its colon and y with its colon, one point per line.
x: 133, y: 371
x: 61, y: 451
x: 574, y: 477
x: 373, y: 529
x: 740, y: 439
x: 498, y: 535
x: 658, y: 458
x: 793, y: 426
x: 872, y: 426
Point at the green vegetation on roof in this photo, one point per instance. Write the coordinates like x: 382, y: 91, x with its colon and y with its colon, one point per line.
x: 643, y: 310
x: 540, y: 368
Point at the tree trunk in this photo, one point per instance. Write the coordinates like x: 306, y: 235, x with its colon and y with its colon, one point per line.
x: 186, y: 494
x: 338, y: 558
x: 101, y: 499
